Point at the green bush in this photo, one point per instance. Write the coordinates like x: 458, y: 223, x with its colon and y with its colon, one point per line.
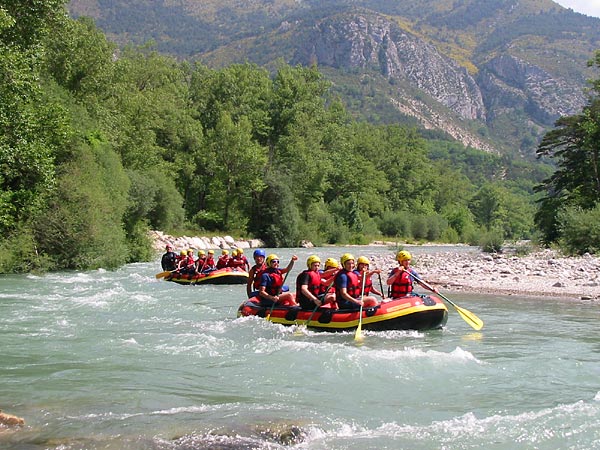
x: 394, y: 223
x: 492, y: 241
x: 579, y: 230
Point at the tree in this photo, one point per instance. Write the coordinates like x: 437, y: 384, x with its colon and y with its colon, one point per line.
x: 238, y: 164
x: 574, y: 146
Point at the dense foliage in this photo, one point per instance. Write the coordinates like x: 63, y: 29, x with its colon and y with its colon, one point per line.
x: 568, y: 212
x: 99, y: 144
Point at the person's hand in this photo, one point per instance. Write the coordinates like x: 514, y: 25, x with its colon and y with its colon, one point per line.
x: 294, y: 258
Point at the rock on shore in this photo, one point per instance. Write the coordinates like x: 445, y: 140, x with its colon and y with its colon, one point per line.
x: 161, y: 239
x: 543, y: 273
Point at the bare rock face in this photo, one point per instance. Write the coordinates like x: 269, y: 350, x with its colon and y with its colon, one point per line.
x: 424, y: 78
x: 372, y: 41
x: 510, y: 83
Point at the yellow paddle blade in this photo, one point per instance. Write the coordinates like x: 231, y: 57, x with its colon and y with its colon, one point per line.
x: 467, y: 315
x: 358, y: 335
x: 162, y: 274
x: 470, y: 318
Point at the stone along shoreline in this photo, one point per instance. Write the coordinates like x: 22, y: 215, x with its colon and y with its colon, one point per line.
x: 540, y: 274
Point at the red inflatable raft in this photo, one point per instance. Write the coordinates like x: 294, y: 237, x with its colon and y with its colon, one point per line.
x: 415, y: 312
x: 228, y: 275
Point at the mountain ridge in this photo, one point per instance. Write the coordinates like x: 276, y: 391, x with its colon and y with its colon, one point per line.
x: 494, y: 75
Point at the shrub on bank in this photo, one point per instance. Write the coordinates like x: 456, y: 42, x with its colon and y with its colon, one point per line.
x: 579, y: 230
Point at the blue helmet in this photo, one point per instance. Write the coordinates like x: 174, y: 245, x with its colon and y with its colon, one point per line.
x: 259, y: 252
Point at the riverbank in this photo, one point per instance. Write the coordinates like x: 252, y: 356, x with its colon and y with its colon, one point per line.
x: 543, y: 273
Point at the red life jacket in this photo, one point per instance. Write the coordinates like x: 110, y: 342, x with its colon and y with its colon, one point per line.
x: 353, y: 286
x: 210, y: 263
x: 368, y: 285
x: 402, y: 285
x: 326, y: 282
x: 222, y: 261
x: 314, y: 282
x: 235, y: 262
x: 274, y: 287
x: 258, y: 271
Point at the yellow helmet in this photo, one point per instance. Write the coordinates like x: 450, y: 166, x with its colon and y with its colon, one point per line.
x: 183, y: 253
x: 331, y: 262
x: 234, y: 252
x: 346, y: 257
x: 202, y: 252
x: 403, y: 255
x: 312, y: 259
x: 363, y: 260
x: 270, y: 258
x: 211, y: 252
x: 224, y: 252
x: 190, y: 250
x: 240, y: 251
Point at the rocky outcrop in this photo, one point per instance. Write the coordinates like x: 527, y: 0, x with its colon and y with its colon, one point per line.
x: 508, y: 83
x: 505, y: 85
x: 372, y: 41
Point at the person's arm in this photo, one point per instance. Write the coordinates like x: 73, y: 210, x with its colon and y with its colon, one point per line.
x: 306, y: 292
x: 264, y: 294
x: 290, y: 264
x: 395, y: 275
x: 423, y: 283
x: 250, y: 282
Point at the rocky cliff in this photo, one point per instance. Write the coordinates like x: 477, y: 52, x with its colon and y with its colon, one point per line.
x: 505, y: 85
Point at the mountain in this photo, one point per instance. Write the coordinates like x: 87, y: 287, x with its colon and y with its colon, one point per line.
x: 492, y: 74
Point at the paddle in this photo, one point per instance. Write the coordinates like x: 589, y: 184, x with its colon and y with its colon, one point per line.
x: 164, y: 274
x: 474, y: 321
x: 381, y: 287
x: 358, y: 334
x: 298, y: 331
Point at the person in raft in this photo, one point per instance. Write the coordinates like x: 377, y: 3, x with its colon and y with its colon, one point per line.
x: 309, y: 293
x: 271, y: 283
x: 255, y: 273
x: 348, y: 287
x: 332, y: 267
x: 188, y: 265
x: 401, y: 278
x: 362, y: 267
x: 238, y: 260
x: 201, y: 261
x: 209, y: 263
x: 223, y: 259
x: 169, y: 259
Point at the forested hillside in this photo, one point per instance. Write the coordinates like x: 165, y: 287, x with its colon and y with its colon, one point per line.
x: 491, y: 74
x: 99, y: 144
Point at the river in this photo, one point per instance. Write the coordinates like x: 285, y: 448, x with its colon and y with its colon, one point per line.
x: 120, y: 360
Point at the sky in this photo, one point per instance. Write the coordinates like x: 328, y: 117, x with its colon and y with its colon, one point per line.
x: 588, y: 7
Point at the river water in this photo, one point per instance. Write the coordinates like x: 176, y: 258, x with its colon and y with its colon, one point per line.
x: 120, y: 360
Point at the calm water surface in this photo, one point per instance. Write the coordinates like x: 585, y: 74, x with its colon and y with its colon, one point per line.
x: 120, y: 360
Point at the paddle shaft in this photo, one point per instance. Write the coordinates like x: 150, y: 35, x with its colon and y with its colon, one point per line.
x: 358, y: 334
x: 474, y: 321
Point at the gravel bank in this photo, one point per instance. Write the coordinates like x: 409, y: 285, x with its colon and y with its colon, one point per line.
x: 540, y: 274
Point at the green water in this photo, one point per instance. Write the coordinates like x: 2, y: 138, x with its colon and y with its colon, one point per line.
x: 120, y: 360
